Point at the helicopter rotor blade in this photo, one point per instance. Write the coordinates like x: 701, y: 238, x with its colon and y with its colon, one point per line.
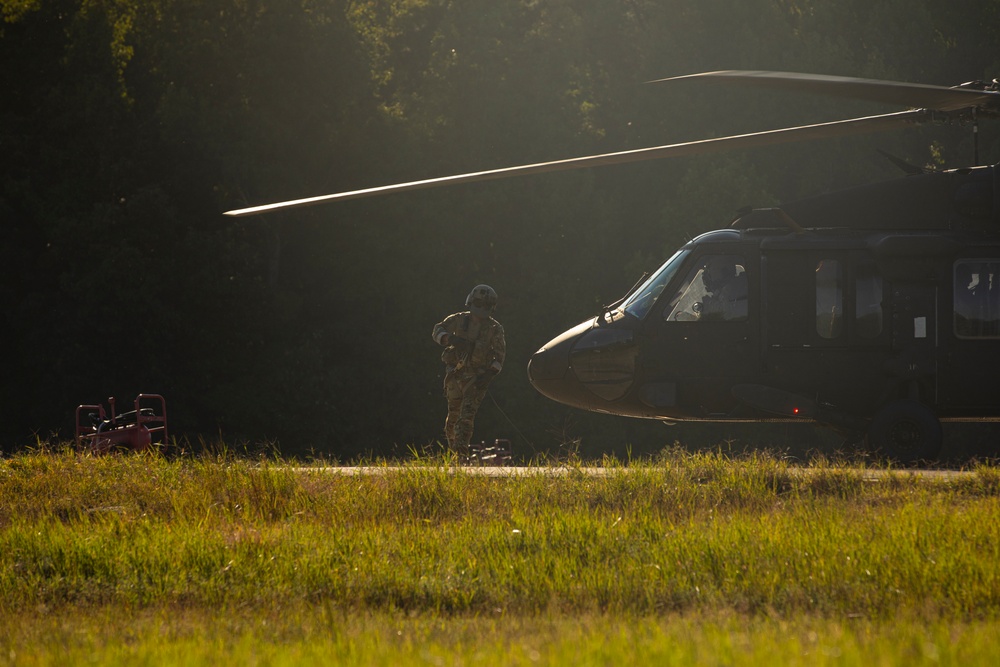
x: 937, y: 98
x: 770, y: 137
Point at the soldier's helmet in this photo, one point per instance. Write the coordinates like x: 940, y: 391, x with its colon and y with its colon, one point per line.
x: 482, y: 300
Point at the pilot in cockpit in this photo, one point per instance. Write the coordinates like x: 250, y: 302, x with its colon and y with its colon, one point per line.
x: 725, y: 289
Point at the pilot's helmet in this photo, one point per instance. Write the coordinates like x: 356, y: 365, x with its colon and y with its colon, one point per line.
x: 719, y: 270
x: 482, y: 300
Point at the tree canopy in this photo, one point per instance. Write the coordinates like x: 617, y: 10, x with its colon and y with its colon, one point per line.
x: 128, y: 127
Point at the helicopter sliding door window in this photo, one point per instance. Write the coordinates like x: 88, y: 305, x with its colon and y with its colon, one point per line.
x: 829, y: 298
x: 867, y: 300
x: 977, y: 298
x: 715, y: 290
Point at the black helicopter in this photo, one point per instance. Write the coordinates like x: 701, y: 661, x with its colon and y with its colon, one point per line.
x: 874, y: 311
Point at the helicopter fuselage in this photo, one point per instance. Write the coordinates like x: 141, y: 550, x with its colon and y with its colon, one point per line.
x: 827, y: 310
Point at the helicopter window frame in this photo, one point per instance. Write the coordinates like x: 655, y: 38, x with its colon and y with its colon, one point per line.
x: 641, y: 302
x: 976, y: 304
x: 696, y: 300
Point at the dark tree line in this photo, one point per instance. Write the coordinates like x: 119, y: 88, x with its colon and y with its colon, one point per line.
x: 127, y: 127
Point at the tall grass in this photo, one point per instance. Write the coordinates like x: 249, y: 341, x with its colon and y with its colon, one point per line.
x: 697, y: 533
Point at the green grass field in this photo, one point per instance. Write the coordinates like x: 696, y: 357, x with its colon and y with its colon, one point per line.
x: 686, y: 559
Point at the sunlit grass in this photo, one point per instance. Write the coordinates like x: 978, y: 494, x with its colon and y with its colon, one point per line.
x: 316, y: 634
x: 689, y: 557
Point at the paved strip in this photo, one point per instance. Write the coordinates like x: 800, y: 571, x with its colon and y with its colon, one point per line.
x: 867, y: 474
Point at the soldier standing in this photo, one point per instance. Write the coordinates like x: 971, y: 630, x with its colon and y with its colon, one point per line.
x: 474, y: 353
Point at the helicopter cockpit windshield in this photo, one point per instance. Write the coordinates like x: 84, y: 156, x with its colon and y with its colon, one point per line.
x: 643, y: 298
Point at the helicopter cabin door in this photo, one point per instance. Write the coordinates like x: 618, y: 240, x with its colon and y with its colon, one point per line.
x: 703, y: 338
x: 825, y: 325
x: 969, y: 384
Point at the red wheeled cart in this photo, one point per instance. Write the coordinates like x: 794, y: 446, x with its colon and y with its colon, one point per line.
x: 131, y: 431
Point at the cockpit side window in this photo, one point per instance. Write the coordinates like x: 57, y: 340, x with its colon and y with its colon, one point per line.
x: 715, y: 290
x: 977, y: 298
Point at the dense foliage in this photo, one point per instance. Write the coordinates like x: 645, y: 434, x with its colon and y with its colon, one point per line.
x: 128, y: 127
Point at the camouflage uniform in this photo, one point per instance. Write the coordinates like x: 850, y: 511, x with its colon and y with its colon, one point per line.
x: 473, y: 356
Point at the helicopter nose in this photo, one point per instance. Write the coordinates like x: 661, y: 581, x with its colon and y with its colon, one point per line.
x: 590, y: 366
x: 549, y: 364
x: 549, y: 369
